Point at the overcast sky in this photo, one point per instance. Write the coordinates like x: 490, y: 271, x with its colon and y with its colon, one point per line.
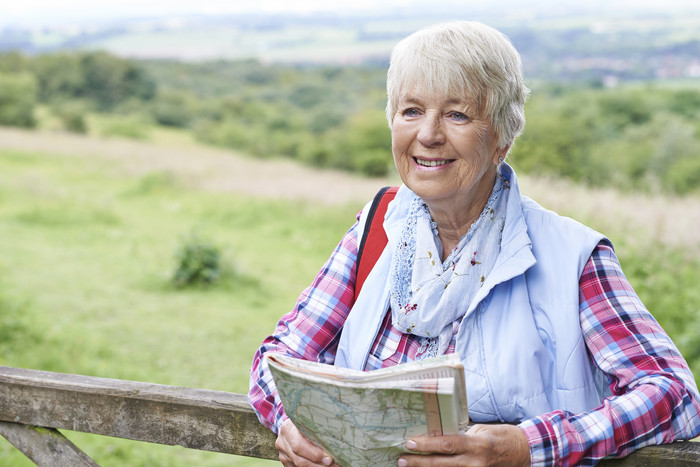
x: 47, y: 12
x: 32, y: 11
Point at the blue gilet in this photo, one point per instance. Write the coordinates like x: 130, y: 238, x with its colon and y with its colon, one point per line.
x: 520, y: 340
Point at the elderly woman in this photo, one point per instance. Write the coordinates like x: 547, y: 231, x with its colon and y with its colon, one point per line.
x: 558, y: 350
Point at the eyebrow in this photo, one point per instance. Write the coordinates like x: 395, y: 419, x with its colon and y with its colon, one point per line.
x: 417, y: 100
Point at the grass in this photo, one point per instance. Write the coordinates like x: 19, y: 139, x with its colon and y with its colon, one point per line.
x: 86, y: 254
x: 87, y: 251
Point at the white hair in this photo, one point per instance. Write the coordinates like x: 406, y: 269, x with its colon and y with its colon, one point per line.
x: 463, y: 59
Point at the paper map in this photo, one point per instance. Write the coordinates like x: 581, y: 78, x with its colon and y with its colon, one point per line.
x: 364, y: 418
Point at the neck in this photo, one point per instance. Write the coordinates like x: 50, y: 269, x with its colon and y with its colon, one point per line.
x: 454, y: 219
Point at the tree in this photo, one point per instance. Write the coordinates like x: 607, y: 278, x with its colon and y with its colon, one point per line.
x: 174, y: 108
x: 109, y: 80
x: 13, y: 62
x: 59, y: 76
x: 17, y: 99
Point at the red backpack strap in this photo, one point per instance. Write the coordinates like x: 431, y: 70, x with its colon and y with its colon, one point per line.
x: 373, y: 238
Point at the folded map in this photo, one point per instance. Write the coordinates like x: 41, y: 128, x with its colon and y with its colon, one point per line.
x: 365, y: 418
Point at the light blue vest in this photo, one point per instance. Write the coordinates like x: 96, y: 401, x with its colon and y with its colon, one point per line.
x: 520, y: 340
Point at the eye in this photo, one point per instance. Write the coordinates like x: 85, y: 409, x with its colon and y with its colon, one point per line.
x: 458, y: 116
x: 410, y: 112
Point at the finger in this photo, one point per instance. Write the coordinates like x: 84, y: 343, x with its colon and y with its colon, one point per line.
x: 285, y: 461
x: 447, y: 451
x: 446, y: 445
x: 303, y: 448
x: 481, y: 445
x: 296, y: 449
x: 288, y: 457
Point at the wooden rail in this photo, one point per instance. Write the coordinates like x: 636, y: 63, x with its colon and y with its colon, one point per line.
x: 193, y: 418
x: 34, y: 405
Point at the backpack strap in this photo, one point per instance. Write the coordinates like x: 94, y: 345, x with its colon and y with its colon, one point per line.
x: 373, y: 238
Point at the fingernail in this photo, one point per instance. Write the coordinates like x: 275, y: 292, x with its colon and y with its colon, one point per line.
x: 402, y: 462
x: 410, y: 444
x: 327, y: 460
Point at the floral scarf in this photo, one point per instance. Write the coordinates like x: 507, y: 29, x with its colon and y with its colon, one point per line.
x: 427, y: 295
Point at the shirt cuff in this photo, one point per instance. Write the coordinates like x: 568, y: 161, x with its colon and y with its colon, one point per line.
x: 543, y: 441
x: 280, y: 420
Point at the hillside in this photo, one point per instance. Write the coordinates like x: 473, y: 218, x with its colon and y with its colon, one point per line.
x: 628, y: 217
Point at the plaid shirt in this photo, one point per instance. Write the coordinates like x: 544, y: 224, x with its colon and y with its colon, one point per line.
x: 654, y: 399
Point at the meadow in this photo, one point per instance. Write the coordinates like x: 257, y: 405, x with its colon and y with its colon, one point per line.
x: 89, y: 229
x: 87, y: 253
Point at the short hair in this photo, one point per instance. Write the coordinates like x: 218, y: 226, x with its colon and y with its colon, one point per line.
x: 459, y: 58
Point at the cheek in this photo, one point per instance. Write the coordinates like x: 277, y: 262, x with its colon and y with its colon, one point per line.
x: 400, y: 137
x: 398, y: 146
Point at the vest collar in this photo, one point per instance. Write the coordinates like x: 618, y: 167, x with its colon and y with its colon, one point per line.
x: 516, y: 255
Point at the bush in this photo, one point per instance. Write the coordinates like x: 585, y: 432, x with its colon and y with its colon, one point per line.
x: 174, y: 108
x: 375, y: 163
x: 59, y: 77
x: 108, y: 80
x: 72, y: 116
x: 227, y: 134
x: 683, y: 177
x: 666, y: 281
x: 132, y: 127
x: 17, y: 99
x: 198, y: 263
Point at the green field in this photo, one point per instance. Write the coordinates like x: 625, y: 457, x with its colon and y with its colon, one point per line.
x: 86, y: 255
x: 87, y: 247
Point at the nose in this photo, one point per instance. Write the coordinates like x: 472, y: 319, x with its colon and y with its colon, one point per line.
x: 431, y: 132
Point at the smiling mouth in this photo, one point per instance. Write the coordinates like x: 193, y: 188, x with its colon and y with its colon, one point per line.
x: 432, y: 163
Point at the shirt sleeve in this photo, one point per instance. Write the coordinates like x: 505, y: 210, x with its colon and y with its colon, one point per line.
x: 310, y: 331
x: 654, y: 396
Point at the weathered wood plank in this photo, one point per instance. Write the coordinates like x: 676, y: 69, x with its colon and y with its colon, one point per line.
x: 193, y: 418
x: 683, y: 454
x: 46, y: 447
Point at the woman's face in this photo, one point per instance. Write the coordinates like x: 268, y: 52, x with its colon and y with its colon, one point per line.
x: 444, y: 151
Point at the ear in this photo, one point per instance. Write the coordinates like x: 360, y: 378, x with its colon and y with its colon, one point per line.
x: 500, y: 154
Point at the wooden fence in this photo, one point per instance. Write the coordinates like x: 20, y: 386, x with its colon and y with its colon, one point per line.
x: 34, y: 405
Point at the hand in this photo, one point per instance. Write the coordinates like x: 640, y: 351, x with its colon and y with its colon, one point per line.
x: 296, y: 450
x: 482, y: 445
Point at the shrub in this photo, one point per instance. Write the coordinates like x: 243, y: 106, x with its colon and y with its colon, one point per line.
x: 108, y: 80
x: 132, y: 127
x: 198, y: 262
x: 174, y: 108
x: 72, y: 116
x: 683, y: 177
x: 17, y: 99
x: 375, y: 163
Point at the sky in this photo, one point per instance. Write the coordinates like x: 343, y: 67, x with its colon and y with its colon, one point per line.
x: 32, y: 11
x: 48, y: 12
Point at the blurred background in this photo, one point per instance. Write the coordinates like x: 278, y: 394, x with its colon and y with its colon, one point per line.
x: 173, y: 174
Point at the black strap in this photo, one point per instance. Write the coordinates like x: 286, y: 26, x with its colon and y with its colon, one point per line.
x: 368, y: 224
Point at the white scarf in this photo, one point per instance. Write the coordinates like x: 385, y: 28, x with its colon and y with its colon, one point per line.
x: 427, y: 295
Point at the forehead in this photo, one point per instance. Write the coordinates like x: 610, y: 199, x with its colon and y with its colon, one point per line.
x: 421, y: 95
x: 448, y: 82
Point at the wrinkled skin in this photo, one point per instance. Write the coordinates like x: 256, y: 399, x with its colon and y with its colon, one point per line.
x: 448, y: 154
x: 482, y: 445
x: 296, y: 450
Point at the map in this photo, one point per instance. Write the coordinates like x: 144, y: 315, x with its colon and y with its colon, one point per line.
x: 364, y: 418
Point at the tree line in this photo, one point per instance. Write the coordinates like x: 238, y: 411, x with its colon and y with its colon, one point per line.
x: 644, y: 136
